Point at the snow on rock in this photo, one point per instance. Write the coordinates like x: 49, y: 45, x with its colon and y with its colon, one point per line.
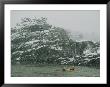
x: 19, y: 52
x: 39, y: 47
x: 31, y: 42
x: 46, y: 31
x: 56, y: 47
x: 15, y: 35
x: 18, y: 58
x: 87, y: 59
x: 71, y: 59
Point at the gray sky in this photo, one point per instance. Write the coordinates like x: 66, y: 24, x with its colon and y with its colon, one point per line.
x: 76, y: 22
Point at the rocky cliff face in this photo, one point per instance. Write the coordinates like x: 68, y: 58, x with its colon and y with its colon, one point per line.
x: 34, y: 41
x: 91, y: 55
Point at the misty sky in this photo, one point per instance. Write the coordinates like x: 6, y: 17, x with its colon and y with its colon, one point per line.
x: 83, y: 23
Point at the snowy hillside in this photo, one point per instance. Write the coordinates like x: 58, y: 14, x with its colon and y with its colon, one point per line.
x: 34, y: 41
